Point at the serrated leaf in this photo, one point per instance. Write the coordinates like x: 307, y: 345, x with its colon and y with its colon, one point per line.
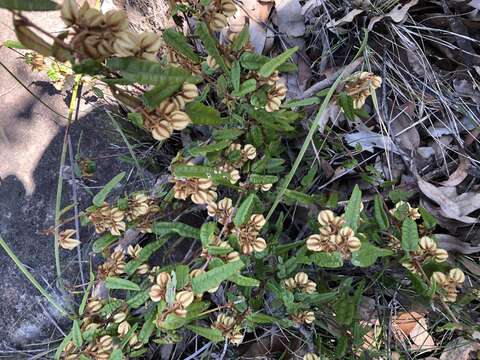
x: 104, y: 241
x: 210, y: 44
x: 182, y: 276
x: 301, y: 103
x: 184, y: 230
x: 114, y: 283
x: 327, y: 260
x: 77, y: 334
x: 346, y: 103
x: 235, y: 76
x: 409, y: 235
x: 206, y: 232
x: 180, y: 43
x: 13, y: 44
x: 368, y: 254
x: 116, y: 355
x: 138, y: 299
x: 99, y: 199
x: 245, y: 88
x: 227, y: 134
x: 201, y: 114
x: 211, y: 334
x: 29, y: 5
x: 244, y: 281
x: 380, y: 215
x: 262, y: 179
x: 241, y: 39
x: 147, y: 330
x: 268, y: 68
x: 428, y: 220
x: 135, y: 118
x: 254, y: 61
x: 212, y: 278
x: 352, y: 211
x: 205, y: 149
x: 299, y: 196
x: 200, y: 172
x: 245, y: 210
x: 148, y: 72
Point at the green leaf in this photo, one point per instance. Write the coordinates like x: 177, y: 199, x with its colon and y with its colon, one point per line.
x: 138, y: 299
x: 147, y: 330
x: 428, y: 220
x: 99, y: 199
x: 201, y: 114
x: 182, y: 275
x: 346, y: 103
x: 235, y: 76
x: 301, y: 197
x: 184, y: 230
x: 116, y: 355
x: 254, y: 61
x: 399, y: 195
x: 327, y: 260
x: 352, y: 212
x: 90, y: 67
x: 245, y: 88
x: 268, y: 68
x: 13, y: 44
x: 136, y: 119
x: 104, y: 241
x: 160, y: 92
x: 205, y: 149
x: 213, y: 278
x: 262, y: 179
x: 244, y: 281
x: 63, y: 344
x: 241, y: 39
x: 245, y: 210
x: 345, y: 310
x: 227, y: 134
x: 77, y: 334
x: 114, y: 283
x: 211, y: 334
x: 206, y: 232
x: 149, y: 72
x: 409, y: 235
x: 341, y: 348
x: 180, y: 43
x: 29, y: 5
x: 301, y: 103
x: 368, y: 254
x: 86, y: 294
x: 210, y: 44
x: 380, y: 215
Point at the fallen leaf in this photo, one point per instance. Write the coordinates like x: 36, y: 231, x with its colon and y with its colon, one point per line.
x: 290, y: 19
x: 369, y: 140
x: 397, y: 14
x: 311, y: 5
x: 421, y: 338
x: 452, y: 206
x: 335, y: 25
x: 406, y: 321
x: 458, y: 175
x: 402, y: 129
x: 412, y: 328
x: 331, y: 113
x: 459, y: 349
x: 470, y: 265
x: 451, y: 243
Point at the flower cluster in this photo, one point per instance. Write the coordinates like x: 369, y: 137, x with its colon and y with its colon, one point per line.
x: 107, y: 218
x: 449, y: 283
x: 427, y: 250
x: 333, y: 236
x: 360, y: 85
x: 229, y: 256
x: 304, y: 317
x: 200, y: 191
x: 301, y: 282
x: 222, y: 210
x: 229, y: 328
x: 170, y: 114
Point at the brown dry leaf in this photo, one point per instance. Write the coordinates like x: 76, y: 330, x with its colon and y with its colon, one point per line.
x: 331, y: 113
x: 451, y: 243
x: 257, y: 15
x: 335, y: 25
x: 452, y: 206
x: 459, y: 349
x: 470, y: 265
x: 421, y: 338
x: 412, y: 328
x: 458, y: 175
x: 397, y: 14
x: 406, y: 321
x: 290, y: 19
x: 408, y: 139
x: 311, y: 5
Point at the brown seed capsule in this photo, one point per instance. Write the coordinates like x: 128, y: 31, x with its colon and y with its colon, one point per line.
x: 94, y: 306
x: 249, y: 152
x: 354, y: 244
x: 236, y: 338
x: 309, y: 317
x: 181, y: 312
x: 456, y: 275
x: 66, y: 239
x: 440, y: 255
x: 105, y: 343
x: 301, y: 278
x: 325, y: 217
x: 311, y: 356
x: 290, y: 283
x: 427, y: 243
x: 184, y: 298
x: 163, y: 278
x: 123, y: 328
x: 179, y: 120
x: 310, y: 287
x: 273, y: 104
x: 69, y: 12
x: 259, y: 245
x: 156, y: 293
x: 218, y: 22
x: 119, y: 317
x: 162, y: 130
x: 258, y: 221
x: 212, y: 64
x: 315, y: 243
x: 346, y: 232
x: 440, y: 278
x: 266, y: 187
x: 233, y: 256
x: 228, y: 8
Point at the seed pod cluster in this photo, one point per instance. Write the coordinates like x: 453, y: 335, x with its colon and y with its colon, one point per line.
x: 333, y: 236
x: 427, y: 250
x: 301, y: 282
x: 222, y: 211
x: 360, y: 85
x: 107, y: 218
x: 220, y: 11
x: 229, y: 328
x: 247, y: 235
x: 200, y: 191
x: 304, y: 317
x: 311, y: 356
x: 217, y: 242
x: 275, y: 97
x: 113, y: 266
x: 238, y: 155
x: 449, y: 283
x: 158, y: 291
x: 144, y: 45
x: 412, y: 213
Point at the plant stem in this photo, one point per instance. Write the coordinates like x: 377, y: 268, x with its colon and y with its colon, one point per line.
x: 30, y: 277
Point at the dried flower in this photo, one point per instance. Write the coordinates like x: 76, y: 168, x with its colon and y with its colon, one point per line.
x: 134, y: 251
x: 66, y: 239
x: 229, y: 328
x: 359, y: 87
x: 449, y: 283
x: 247, y: 235
x: 106, y: 218
x: 301, y: 282
x: 143, y: 45
x: 211, y: 62
x: 183, y: 299
x: 123, y: 328
x: 200, y: 190
x: 223, y: 210
x: 412, y: 213
x: 159, y: 289
x: 311, y: 356
x: 275, y: 97
x: 304, y: 317
x: 218, y: 22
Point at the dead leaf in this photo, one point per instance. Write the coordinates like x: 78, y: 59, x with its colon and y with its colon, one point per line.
x: 470, y: 265
x: 412, y: 328
x: 290, y: 19
x: 369, y: 140
x: 459, y: 349
x: 397, y: 14
x: 335, y: 25
x: 475, y: 4
x: 451, y: 243
x: 311, y: 5
x: 421, y: 338
x: 331, y: 113
x: 257, y: 15
x: 458, y: 175
x: 406, y: 321
x: 403, y: 130
x: 452, y: 206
